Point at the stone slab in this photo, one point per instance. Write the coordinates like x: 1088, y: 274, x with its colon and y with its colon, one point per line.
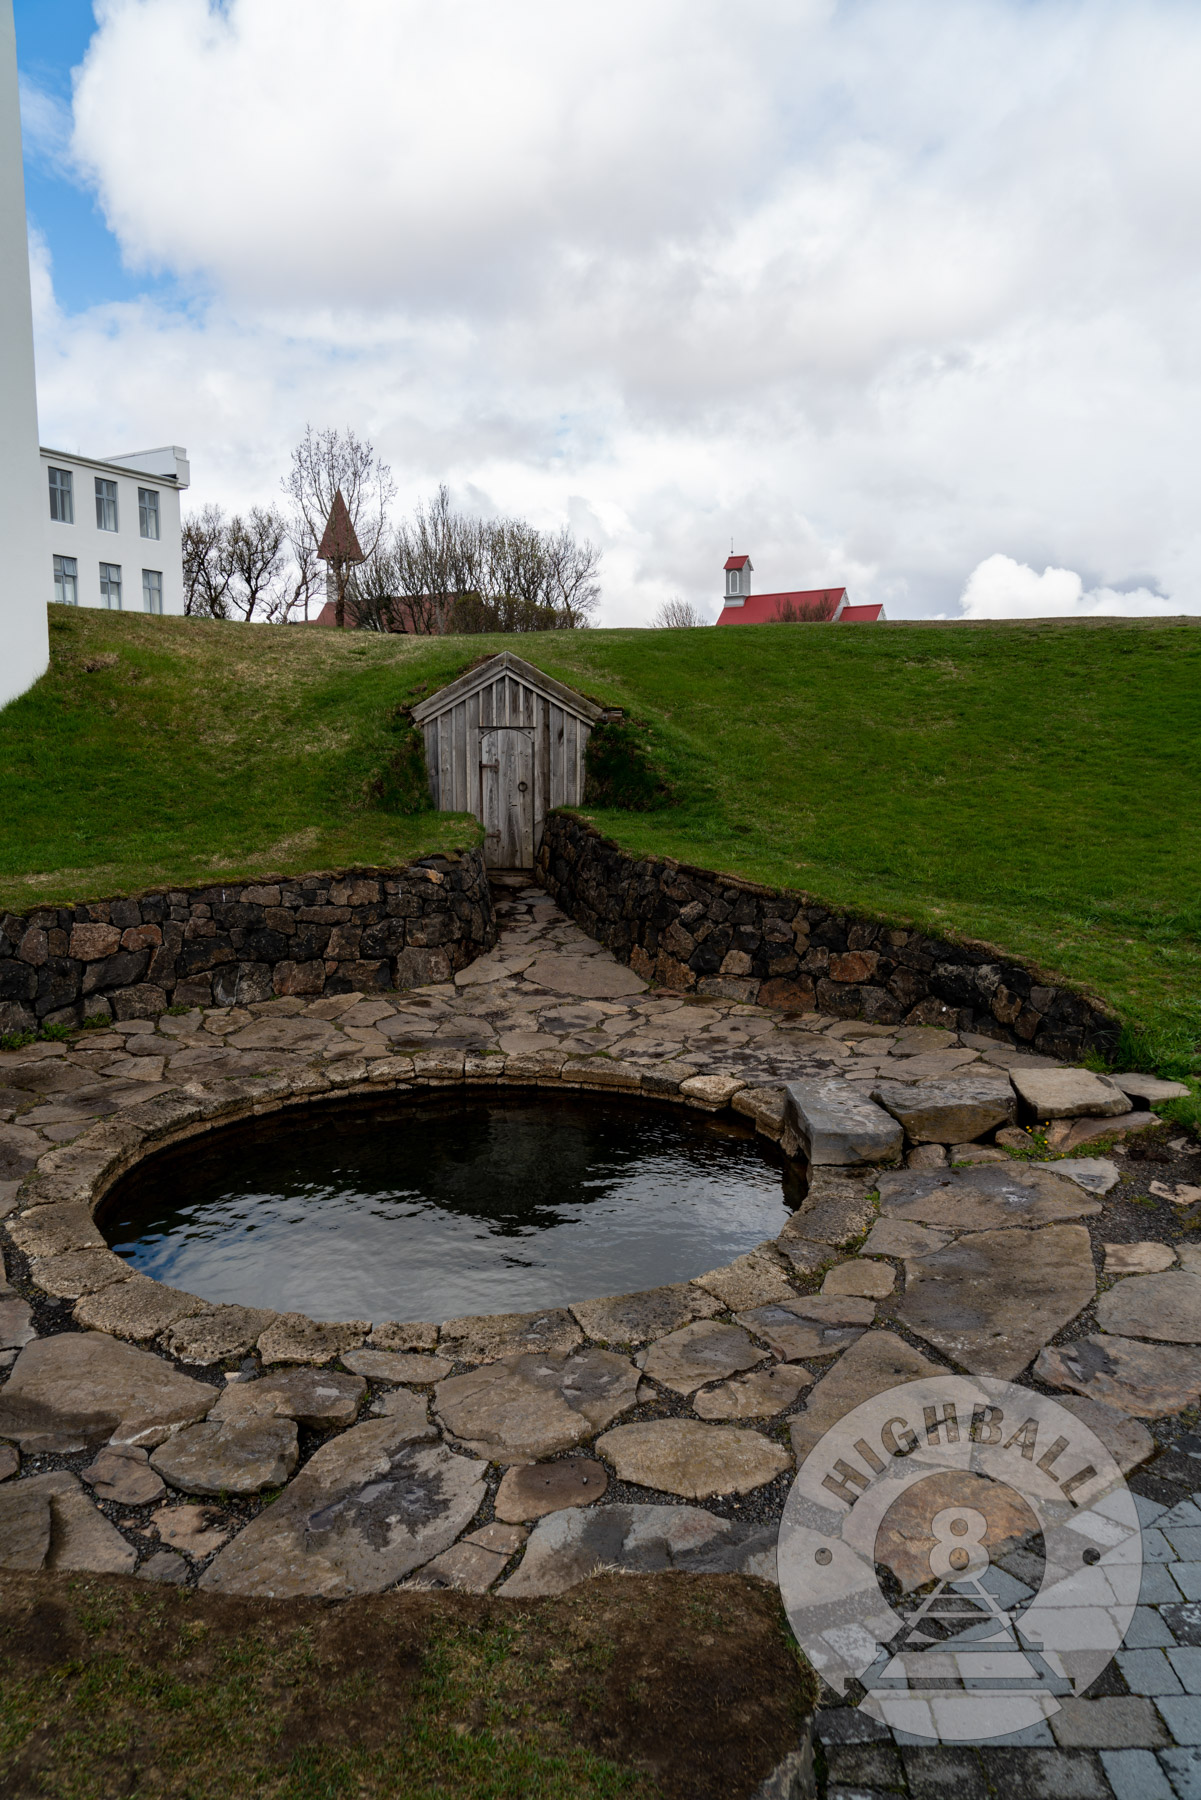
x: 24, y: 1527
x: 804, y: 1256
x: 471, y: 1568
x: 295, y: 1338
x: 218, y: 1334
x: 952, y: 1111
x: 531, y: 1490
x: 1069, y: 1093
x: 414, y: 1334
x: 10, y: 1461
x: 1147, y: 1258
x: 122, y: 1473
x: 521, y: 1408
x: 371, y: 1506
x: 196, y: 1530
x: 70, y: 1392
x: 1150, y: 1381
x: 983, y: 1199
x: 396, y: 1366
x: 585, y: 977
x: 1151, y: 1089
x: 229, y: 1456
x: 82, y: 1540
x: 750, y: 1280
x: 897, y: 1237
x: 137, y: 1309
x: 868, y: 1280
x: 699, y: 1353
x: 1095, y: 1174
x: 836, y: 1123
x: 694, y: 1460
x: 78, y: 1272
x: 16, y: 1324
x: 569, y: 1547
x: 1166, y: 1307
x: 1086, y: 1131
x: 636, y: 1318
x: 319, y: 1398
x: 810, y: 1325
x: 879, y: 1360
x: 992, y: 1299
x: 403, y: 1404
x: 760, y: 1395
x: 492, y: 1335
x: 1128, y: 1442
x: 835, y: 1210
x: 166, y: 1566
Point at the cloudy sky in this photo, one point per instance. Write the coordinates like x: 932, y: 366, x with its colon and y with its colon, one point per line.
x: 899, y: 294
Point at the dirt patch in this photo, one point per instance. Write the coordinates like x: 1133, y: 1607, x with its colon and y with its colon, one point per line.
x: 672, y: 1686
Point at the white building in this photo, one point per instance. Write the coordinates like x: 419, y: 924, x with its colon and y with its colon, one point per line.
x: 24, y: 642
x: 114, y: 530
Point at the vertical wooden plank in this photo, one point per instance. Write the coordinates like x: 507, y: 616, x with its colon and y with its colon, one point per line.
x: 584, y: 732
x: 555, y: 751
x: 446, y: 764
x: 486, y: 715
x: 571, y: 783
x: 475, y: 792
x: 460, y: 751
x: 430, y: 730
x: 489, y: 794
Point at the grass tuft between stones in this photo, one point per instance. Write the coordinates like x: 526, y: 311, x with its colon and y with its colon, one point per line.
x: 668, y: 1687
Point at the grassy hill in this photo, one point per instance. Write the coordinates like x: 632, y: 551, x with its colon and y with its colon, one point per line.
x: 1032, y: 784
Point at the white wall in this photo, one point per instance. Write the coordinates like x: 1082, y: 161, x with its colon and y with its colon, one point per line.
x: 24, y: 644
x: 126, y: 547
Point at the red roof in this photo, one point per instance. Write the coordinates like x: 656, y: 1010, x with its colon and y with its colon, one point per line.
x: 860, y: 615
x: 738, y: 562
x: 765, y: 609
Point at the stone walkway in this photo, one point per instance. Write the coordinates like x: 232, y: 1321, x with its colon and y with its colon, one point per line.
x: 143, y: 1430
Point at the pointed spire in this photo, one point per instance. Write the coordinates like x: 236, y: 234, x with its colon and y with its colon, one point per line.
x: 338, y: 542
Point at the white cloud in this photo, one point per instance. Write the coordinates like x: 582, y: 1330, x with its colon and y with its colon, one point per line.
x: 1000, y: 588
x: 874, y: 286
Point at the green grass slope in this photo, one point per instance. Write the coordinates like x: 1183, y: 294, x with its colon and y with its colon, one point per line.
x: 1035, y: 785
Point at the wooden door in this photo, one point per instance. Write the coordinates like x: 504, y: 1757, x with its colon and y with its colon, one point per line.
x: 507, y: 794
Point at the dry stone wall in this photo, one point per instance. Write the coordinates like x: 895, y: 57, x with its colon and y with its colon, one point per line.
x: 696, y: 931
x: 232, y: 945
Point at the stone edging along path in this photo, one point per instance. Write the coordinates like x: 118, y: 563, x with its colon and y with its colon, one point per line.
x: 694, y: 931
x: 233, y: 945
x: 428, y: 1451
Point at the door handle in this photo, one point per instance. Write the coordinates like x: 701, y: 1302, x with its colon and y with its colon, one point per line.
x: 489, y: 765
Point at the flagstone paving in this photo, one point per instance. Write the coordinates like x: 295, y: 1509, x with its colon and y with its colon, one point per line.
x: 657, y: 1429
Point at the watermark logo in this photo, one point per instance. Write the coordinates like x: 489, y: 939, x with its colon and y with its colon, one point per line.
x: 964, y: 1550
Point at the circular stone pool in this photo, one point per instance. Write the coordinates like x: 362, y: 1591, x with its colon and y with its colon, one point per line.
x: 436, y: 1207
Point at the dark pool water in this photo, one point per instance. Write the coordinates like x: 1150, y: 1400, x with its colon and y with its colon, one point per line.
x: 449, y: 1206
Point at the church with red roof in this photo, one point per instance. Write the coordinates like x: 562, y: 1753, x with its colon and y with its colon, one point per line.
x: 817, y: 605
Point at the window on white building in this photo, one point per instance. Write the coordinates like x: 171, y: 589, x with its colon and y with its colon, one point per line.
x: 66, y: 581
x: 152, y: 590
x: 62, y: 499
x: 148, y: 512
x: 110, y: 586
x: 106, y: 505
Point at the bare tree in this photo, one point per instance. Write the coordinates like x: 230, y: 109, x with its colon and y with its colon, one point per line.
x: 803, y: 612
x: 572, y: 587
x: 324, y: 465
x: 257, y: 551
x: 677, y: 614
x: 207, y: 568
